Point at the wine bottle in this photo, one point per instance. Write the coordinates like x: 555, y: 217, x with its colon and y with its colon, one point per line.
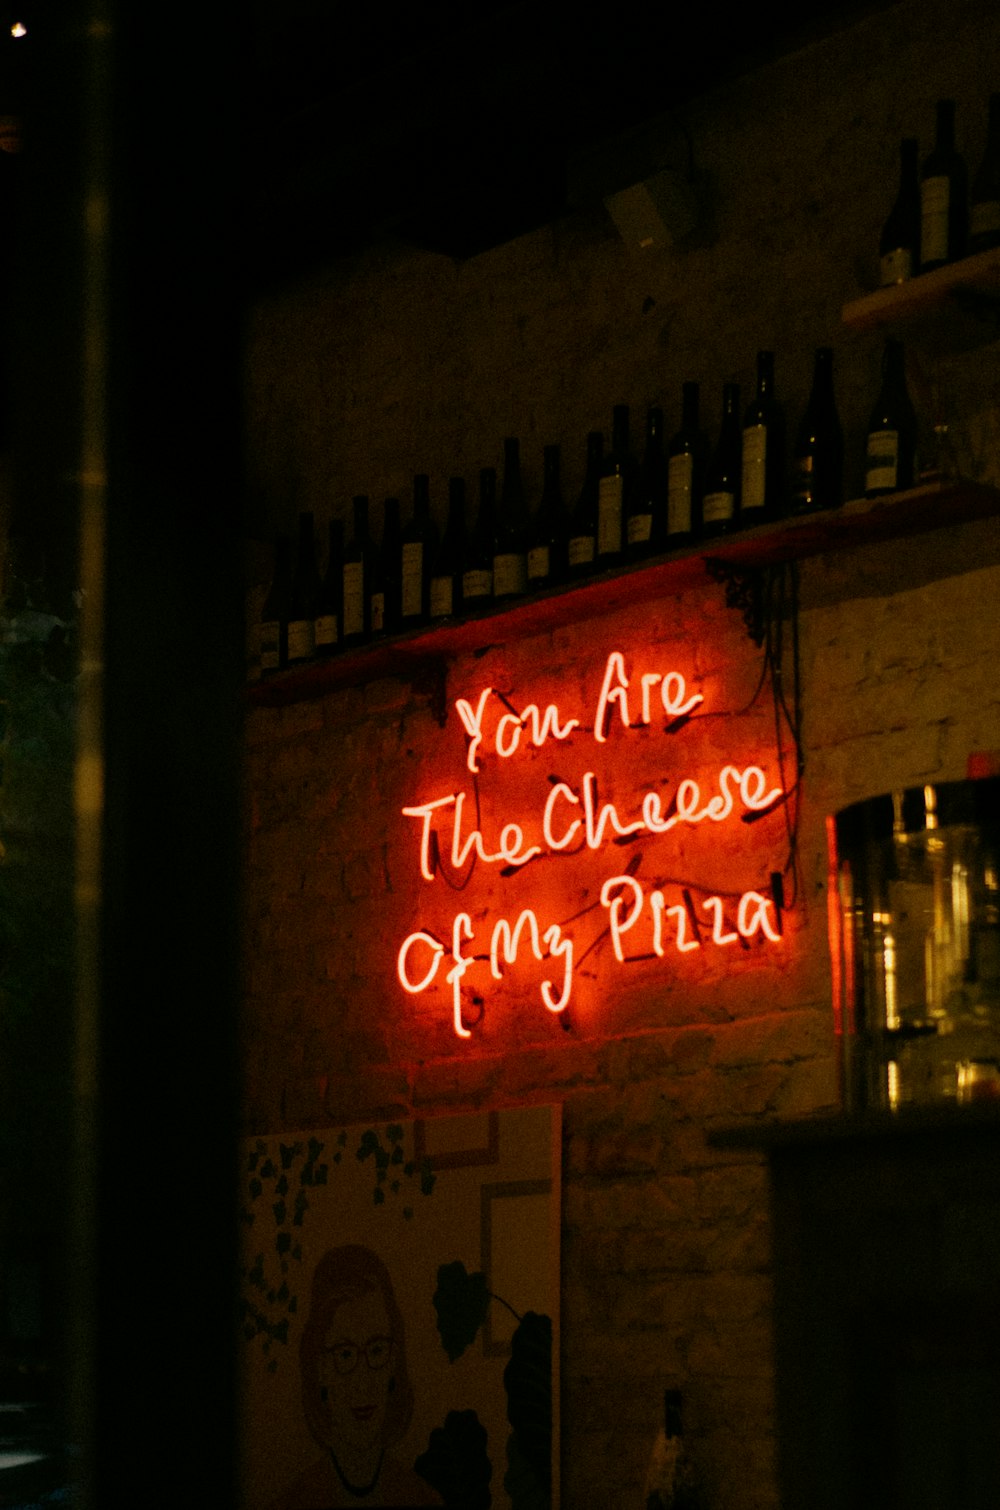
x: 547, y: 540
x: 477, y: 561
x: 304, y: 595
x: 445, y: 597
x: 671, y: 1480
x: 685, y: 455
x: 762, y: 480
x: 329, y: 609
x: 419, y: 547
x: 582, y: 548
x: 720, y: 505
x: 646, y: 524
x: 818, y: 458
x: 890, y: 462
x: 272, y: 631
x: 614, y: 492
x: 386, y: 595
x: 510, y: 528
x: 943, y: 196
x: 984, y: 200
x: 899, y: 243
x: 357, y: 577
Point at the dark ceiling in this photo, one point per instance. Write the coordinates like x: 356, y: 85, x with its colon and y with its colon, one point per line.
x: 456, y: 127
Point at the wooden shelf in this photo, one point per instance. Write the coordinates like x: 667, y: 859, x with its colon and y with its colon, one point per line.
x: 418, y: 654
x: 974, y: 282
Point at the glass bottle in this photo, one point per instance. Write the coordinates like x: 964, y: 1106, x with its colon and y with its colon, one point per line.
x: 582, y: 549
x: 984, y: 199
x: 890, y: 461
x: 272, y: 634
x: 614, y: 492
x: 510, y: 544
x: 547, y: 541
x: 358, y: 558
x: 445, y: 596
x: 943, y: 196
x: 646, y: 524
x: 685, y: 455
x: 818, y: 459
x: 720, y: 505
x: 418, y: 549
x: 762, y: 480
x: 329, y: 610
x: 899, y: 243
x: 386, y: 585
x: 477, y: 560
x: 304, y: 595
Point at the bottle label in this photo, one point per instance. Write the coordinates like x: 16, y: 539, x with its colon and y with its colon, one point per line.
x: 718, y: 508
x: 882, y: 461
x: 413, y: 579
x: 639, y: 528
x: 477, y: 584
x: 538, y: 563
x: 301, y: 639
x: 509, y: 575
x: 984, y: 217
x: 378, y: 612
x: 934, y: 194
x: 269, y: 643
x: 327, y: 630
x: 754, y: 467
x: 442, y: 597
x: 354, y: 598
x: 609, y: 516
x: 581, y: 550
x: 680, y: 470
x: 896, y: 267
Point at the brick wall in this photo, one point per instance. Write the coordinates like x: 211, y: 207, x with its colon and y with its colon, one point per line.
x: 398, y: 362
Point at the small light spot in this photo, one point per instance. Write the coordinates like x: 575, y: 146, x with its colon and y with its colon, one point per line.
x: 19, y: 29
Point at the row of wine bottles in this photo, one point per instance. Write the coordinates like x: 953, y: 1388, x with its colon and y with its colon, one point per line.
x: 936, y: 218
x: 627, y: 509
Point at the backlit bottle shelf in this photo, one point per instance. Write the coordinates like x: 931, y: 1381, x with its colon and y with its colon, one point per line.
x: 972, y: 283
x: 859, y: 522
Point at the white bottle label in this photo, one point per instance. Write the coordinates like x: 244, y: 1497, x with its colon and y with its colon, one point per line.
x: 378, y: 612
x: 896, y: 267
x: 269, y: 642
x: 326, y: 629
x: 882, y: 460
x: 716, y: 508
x: 609, y: 516
x: 509, y: 575
x: 413, y: 579
x: 639, y: 528
x: 442, y: 597
x: 301, y: 639
x: 679, y: 473
x: 581, y: 550
x: 934, y: 219
x: 477, y: 584
x: 538, y: 562
x: 354, y: 599
x: 754, y: 467
x: 984, y: 217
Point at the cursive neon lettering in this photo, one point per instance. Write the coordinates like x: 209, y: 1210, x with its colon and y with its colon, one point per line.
x: 612, y: 693
x: 473, y: 721
x: 752, y: 785
x: 546, y: 724
x: 673, y: 695
x: 426, y: 811
x: 752, y: 916
x: 714, y: 906
x: 652, y: 814
x: 615, y: 903
x: 403, y: 956
x: 597, y: 822
x: 511, y: 839
x: 506, y: 941
x: 684, y: 944
x: 649, y: 681
x: 560, y: 789
x: 558, y: 946
x: 461, y: 929
x: 460, y: 851
x: 506, y: 750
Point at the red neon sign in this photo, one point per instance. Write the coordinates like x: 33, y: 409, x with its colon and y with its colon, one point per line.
x: 572, y: 820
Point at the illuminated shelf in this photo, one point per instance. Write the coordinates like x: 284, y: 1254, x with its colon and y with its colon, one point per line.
x: 859, y: 522
x: 973, y: 283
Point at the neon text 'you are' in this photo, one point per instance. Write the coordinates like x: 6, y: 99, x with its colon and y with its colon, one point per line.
x: 569, y: 820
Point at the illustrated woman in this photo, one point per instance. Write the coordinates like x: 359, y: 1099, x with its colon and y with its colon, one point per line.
x: 356, y: 1391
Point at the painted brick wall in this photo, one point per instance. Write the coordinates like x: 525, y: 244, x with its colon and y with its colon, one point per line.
x: 399, y: 362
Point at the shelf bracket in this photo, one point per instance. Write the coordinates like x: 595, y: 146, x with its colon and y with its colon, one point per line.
x: 744, y: 590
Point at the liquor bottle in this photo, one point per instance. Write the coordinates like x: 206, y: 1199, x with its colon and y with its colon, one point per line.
x: 943, y: 196
x: 899, y: 243
x: 510, y: 528
x: 984, y: 200
x: 671, y: 1481
x: 720, y: 505
x: 646, y: 523
x: 386, y: 585
x: 582, y: 547
x: 547, y: 540
x: 818, y: 458
x: 445, y: 599
x: 762, y: 479
x: 329, y: 609
x: 614, y: 492
x: 685, y: 458
x: 272, y: 632
x: 357, y: 578
x: 477, y: 559
x: 419, y: 548
x: 304, y: 595
x: 890, y: 463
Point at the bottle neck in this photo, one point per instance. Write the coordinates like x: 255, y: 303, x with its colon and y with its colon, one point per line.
x: 689, y: 408
x: 619, y: 432
x: 421, y: 497
x: 944, y: 138
x: 361, y: 518
x: 765, y: 377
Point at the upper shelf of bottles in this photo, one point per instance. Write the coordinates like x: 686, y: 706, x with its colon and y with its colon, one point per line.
x: 859, y: 522
x: 972, y: 280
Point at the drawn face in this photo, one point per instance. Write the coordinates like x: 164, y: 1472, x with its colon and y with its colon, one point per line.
x: 356, y: 1371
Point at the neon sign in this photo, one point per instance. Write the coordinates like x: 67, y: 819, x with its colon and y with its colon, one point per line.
x: 571, y: 821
